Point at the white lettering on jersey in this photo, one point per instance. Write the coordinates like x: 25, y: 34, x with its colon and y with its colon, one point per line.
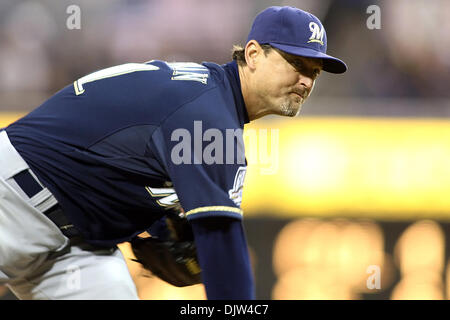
x: 111, y: 72
x: 189, y: 71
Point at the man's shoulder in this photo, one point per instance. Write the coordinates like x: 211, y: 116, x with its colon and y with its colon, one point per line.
x: 200, y: 89
x: 188, y: 80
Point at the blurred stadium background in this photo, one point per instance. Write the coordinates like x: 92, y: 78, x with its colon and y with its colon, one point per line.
x: 360, y: 179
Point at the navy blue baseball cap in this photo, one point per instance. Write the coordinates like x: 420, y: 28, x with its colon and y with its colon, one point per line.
x: 296, y: 32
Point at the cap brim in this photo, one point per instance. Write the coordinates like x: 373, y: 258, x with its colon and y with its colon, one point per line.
x: 330, y: 64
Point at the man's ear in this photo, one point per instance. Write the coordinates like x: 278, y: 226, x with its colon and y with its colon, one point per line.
x: 252, y: 52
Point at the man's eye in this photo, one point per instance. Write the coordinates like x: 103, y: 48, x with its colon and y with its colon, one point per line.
x: 297, y: 67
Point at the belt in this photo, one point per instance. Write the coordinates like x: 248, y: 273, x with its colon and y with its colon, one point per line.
x: 31, y: 186
x: 19, y: 176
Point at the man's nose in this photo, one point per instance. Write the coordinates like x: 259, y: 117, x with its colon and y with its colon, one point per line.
x: 306, y: 82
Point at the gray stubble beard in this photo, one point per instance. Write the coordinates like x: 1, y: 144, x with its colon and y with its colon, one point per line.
x: 289, y: 109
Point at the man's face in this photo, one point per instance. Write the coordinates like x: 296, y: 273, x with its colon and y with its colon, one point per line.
x: 285, y: 81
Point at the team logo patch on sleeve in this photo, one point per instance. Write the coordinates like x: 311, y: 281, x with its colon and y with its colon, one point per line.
x: 236, y: 192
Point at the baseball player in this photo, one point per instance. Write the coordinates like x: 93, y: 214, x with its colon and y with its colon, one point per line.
x: 110, y: 155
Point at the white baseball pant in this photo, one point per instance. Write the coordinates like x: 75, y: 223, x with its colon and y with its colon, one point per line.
x: 38, y: 262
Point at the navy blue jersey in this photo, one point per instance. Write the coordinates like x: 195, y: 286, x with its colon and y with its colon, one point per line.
x: 122, y: 145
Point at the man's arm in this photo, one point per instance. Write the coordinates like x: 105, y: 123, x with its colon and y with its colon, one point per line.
x: 223, y: 256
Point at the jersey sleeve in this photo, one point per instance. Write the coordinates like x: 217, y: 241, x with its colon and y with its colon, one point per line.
x: 202, y: 151
x: 223, y: 256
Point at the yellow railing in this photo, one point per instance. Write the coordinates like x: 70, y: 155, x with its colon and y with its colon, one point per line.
x: 377, y: 167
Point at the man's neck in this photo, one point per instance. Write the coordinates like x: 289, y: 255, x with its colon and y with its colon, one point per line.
x: 252, y: 103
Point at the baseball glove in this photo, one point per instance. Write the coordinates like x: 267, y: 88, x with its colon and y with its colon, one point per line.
x: 173, y: 259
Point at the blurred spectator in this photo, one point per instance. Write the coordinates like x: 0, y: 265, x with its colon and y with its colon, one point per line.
x: 407, y: 57
x: 193, y: 30
x: 417, y: 41
x: 26, y: 33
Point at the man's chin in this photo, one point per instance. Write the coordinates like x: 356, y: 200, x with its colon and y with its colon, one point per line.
x: 291, y: 112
